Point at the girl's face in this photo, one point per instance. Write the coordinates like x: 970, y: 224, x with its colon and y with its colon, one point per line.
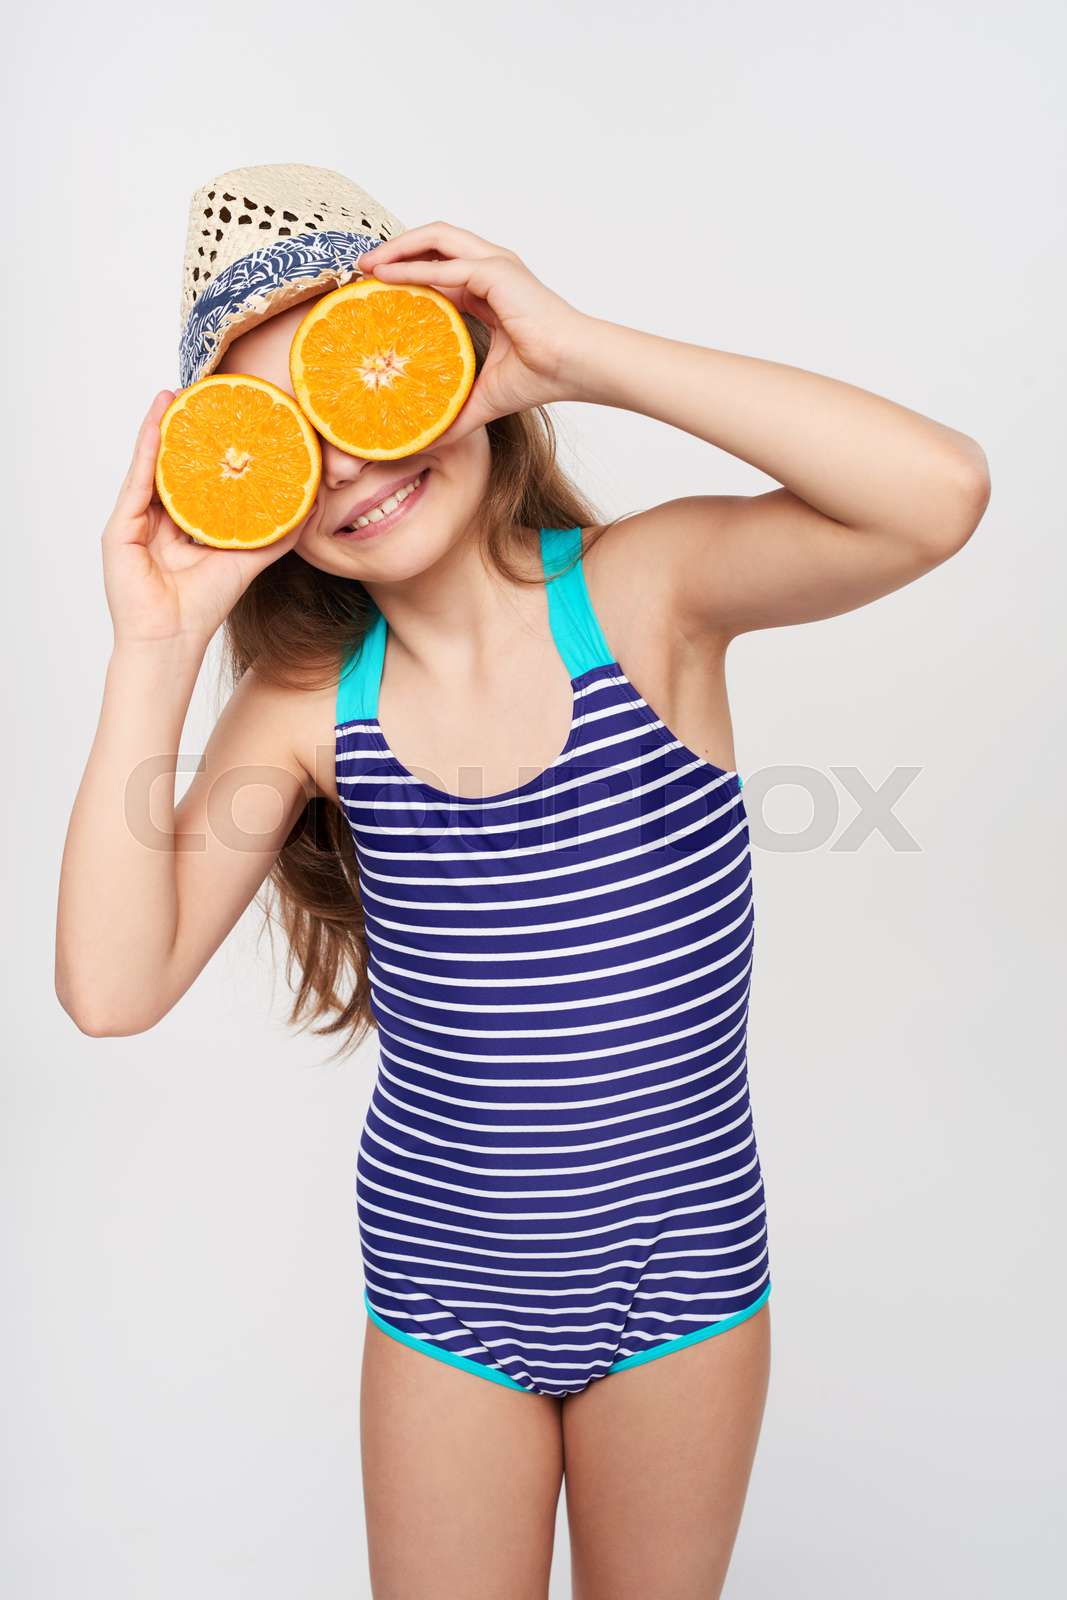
x: 428, y: 523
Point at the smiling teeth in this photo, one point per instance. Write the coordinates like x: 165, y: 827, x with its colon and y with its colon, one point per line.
x: 376, y: 513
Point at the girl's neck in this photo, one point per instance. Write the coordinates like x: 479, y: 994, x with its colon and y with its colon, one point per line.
x: 461, y: 611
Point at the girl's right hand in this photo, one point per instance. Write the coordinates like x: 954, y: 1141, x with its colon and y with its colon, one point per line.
x: 161, y: 584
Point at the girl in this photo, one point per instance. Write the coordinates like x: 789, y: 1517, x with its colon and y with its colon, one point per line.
x: 481, y: 749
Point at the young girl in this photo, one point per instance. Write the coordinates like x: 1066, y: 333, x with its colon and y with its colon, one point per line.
x: 481, y: 748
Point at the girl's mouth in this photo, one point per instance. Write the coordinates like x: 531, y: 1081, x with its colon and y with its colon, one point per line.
x: 385, y: 516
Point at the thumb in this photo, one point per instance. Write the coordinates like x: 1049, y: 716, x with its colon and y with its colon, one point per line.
x: 476, y: 412
x: 258, y: 560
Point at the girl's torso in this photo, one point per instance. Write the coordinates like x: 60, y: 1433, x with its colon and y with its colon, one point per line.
x: 558, y: 1173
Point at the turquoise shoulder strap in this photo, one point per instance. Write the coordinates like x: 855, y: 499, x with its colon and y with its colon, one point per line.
x: 574, y: 623
x: 361, y: 676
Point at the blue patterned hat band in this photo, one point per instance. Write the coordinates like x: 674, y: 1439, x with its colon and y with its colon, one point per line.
x: 261, y: 239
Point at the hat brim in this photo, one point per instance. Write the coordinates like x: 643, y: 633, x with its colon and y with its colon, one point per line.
x: 259, y: 285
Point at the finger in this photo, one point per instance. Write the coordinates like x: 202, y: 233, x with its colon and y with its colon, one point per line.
x: 461, y: 273
x: 475, y: 306
x: 450, y: 272
x: 472, y: 281
x: 442, y: 236
x: 475, y: 412
x: 253, y: 562
x: 471, y: 304
x: 137, y: 489
x: 165, y: 532
x: 467, y: 303
x: 465, y: 424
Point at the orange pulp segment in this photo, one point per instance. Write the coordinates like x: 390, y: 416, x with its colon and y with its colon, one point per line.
x: 238, y: 463
x: 382, y: 369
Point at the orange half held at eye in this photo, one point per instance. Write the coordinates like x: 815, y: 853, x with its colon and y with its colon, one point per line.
x: 239, y: 464
x: 382, y: 369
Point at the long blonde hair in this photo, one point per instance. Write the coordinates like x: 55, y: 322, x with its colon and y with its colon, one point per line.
x: 299, y: 625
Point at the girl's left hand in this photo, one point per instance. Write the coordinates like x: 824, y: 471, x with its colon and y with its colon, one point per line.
x: 534, y: 330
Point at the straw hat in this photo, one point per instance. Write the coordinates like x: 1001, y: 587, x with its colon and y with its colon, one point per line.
x: 261, y: 239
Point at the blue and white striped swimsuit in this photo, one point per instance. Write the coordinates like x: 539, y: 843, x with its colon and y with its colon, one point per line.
x: 558, y: 1176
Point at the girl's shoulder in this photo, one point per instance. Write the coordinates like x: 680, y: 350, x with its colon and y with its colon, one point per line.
x: 635, y: 571
x: 635, y: 580
x: 635, y: 575
x: 640, y: 568
x: 290, y: 726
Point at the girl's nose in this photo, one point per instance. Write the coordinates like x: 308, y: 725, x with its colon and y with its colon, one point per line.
x: 338, y: 468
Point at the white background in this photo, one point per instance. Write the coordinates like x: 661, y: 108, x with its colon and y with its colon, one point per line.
x: 871, y: 192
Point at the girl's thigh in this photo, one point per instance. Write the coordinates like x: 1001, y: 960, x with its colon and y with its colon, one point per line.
x: 658, y: 1460
x: 461, y: 1479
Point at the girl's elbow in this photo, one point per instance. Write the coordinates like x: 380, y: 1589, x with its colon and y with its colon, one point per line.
x: 952, y: 503
x: 99, y: 1016
x: 966, y: 496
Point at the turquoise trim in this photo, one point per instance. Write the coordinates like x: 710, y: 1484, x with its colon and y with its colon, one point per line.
x: 463, y: 1362
x: 689, y: 1338
x: 360, y: 680
x: 571, y: 617
x: 496, y: 1376
x: 740, y: 781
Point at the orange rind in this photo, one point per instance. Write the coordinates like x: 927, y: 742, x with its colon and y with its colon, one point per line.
x: 239, y: 464
x: 382, y: 369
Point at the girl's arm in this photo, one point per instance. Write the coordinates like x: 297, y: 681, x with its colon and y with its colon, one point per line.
x: 148, y: 891
x: 874, y: 494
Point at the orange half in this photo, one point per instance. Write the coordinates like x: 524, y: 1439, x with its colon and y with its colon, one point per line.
x: 238, y: 464
x: 382, y: 369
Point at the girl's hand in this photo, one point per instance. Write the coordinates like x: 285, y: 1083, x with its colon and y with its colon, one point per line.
x: 534, y: 330
x: 161, y: 584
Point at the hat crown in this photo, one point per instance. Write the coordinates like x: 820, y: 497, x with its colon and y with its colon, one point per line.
x: 242, y: 210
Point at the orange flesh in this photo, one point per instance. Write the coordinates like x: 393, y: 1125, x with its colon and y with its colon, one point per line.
x: 383, y: 370
x: 236, y: 466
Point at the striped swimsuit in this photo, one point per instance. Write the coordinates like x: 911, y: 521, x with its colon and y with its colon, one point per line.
x: 557, y: 1176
